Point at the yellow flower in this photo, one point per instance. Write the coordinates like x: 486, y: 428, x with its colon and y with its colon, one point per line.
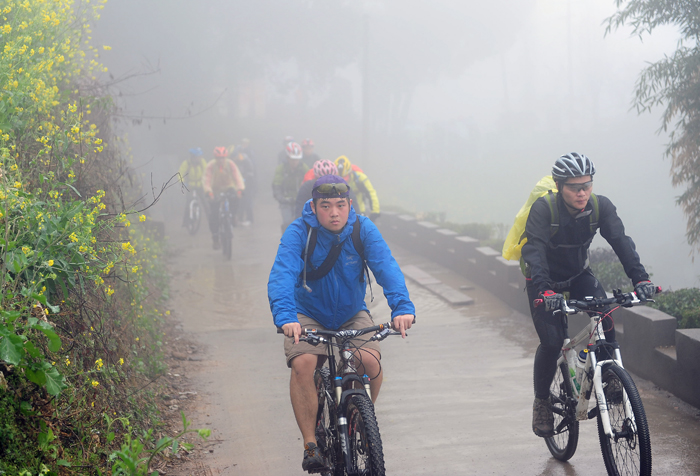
x: 121, y: 361
x: 137, y: 339
x: 95, y: 383
x: 99, y: 364
x: 142, y: 218
x: 67, y: 361
x: 107, y: 48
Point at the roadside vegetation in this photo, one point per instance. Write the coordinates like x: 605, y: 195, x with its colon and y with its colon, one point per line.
x: 82, y: 284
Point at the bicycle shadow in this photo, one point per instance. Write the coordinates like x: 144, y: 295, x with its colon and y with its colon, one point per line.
x: 555, y: 467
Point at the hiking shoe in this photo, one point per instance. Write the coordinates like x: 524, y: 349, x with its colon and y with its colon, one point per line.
x: 314, y: 462
x: 542, y: 418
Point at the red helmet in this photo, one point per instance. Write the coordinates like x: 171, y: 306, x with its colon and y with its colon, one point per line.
x: 324, y: 167
x: 307, y: 143
x: 220, y: 152
x: 294, y: 151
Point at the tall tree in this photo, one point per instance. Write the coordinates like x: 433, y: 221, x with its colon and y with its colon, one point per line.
x: 673, y: 81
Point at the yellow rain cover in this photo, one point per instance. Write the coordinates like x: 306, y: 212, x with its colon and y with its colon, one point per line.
x: 513, y: 243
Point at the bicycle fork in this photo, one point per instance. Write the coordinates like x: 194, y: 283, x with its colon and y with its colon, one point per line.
x: 602, y: 401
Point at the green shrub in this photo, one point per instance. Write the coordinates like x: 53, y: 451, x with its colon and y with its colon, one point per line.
x: 607, y: 268
x: 683, y: 304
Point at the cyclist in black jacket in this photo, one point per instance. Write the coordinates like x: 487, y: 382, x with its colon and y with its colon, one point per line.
x: 556, y: 258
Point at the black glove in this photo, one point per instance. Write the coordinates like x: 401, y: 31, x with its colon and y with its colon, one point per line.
x: 645, y: 290
x: 552, y: 301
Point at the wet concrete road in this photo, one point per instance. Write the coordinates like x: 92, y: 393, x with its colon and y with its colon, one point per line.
x: 457, y: 392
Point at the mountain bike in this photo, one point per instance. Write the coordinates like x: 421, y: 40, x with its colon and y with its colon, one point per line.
x: 346, y: 427
x: 225, y: 223
x: 622, y: 424
x: 194, y: 213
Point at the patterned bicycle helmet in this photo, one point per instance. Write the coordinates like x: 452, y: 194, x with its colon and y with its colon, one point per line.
x: 307, y: 143
x: 220, y: 152
x: 572, y: 165
x: 344, y: 165
x: 294, y: 151
x: 196, y: 152
x: 324, y: 167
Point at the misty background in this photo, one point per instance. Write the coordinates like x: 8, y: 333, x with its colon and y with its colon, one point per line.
x: 448, y: 106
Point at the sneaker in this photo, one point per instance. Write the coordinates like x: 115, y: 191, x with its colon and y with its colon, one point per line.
x: 314, y: 462
x: 542, y: 418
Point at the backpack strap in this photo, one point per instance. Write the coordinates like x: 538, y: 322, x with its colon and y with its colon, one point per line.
x: 551, y: 200
x: 313, y: 273
x: 595, y: 215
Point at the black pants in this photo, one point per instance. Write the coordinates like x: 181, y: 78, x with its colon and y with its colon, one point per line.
x: 550, y: 329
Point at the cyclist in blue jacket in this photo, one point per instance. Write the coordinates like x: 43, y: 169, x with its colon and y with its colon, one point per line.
x: 334, y: 301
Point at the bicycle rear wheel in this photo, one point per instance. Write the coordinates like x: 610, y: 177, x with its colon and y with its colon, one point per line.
x: 628, y: 453
x: 326, y: 433
x: 365, y: 444
x: 563, y: 444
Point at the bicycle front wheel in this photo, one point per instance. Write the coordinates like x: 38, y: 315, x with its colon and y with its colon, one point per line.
x: 628, y: 451
x: 366, y: 451
x: 195, y: 217
x: 226, y: 237
x: 563, y: 444
x: 326, y: 434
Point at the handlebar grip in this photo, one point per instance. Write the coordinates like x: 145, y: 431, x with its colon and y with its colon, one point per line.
x: 280, y: 331
x: 659, y: 290
x: 538, y: 302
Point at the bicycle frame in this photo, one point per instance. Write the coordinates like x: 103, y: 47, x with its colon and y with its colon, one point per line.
x: 596, y: 338
x: 344, y: 385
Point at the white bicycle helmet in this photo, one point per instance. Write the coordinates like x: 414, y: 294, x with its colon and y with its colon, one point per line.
x: 294, y: 151
x: 572, y: 165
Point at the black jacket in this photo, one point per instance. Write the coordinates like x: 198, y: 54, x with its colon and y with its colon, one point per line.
x: 550, y: 264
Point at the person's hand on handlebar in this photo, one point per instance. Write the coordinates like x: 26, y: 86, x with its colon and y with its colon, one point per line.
x: 402, y: 323
x: 552, y: 301
x: 645, y: 290
x: 292, y: 329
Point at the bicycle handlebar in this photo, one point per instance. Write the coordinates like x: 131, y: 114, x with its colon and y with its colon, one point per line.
x: 385, y: 330
x: 573, y: 306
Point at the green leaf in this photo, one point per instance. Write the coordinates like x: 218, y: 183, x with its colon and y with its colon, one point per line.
x: 204, y: 432
x: 10, y: 316
x: 55, y: 382
x: 11, y: 347
x: 42, y: 299
x: 62, y: 462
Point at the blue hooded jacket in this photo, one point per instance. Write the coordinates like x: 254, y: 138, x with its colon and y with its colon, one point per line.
x: 339, y: 295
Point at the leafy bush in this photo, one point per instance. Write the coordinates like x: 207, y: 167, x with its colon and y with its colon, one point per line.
x: 683, y: 304
x: 81, y: 288
x: 607, y: 268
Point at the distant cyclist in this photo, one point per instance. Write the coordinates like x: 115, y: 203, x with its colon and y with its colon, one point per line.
x: 557, y: 262
x: 310, y: 157
x: 247, y: 169
x: 286, y: 183
x: 332, y: 301
x: 320, y: 168
x: 359, y: 182
x: 221, y: 175
x: 191, y: 173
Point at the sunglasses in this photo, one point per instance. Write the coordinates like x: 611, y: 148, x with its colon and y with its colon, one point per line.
x: 331, y: 188
x: 579, y: 187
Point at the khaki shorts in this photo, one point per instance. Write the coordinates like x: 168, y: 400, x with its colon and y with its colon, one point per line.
x: 358, y: 321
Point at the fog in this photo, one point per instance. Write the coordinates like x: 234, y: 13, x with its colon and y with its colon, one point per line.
x: 465, y: 104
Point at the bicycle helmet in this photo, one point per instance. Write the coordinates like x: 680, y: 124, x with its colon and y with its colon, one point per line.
x: 344, y: 165
x: 287, y: 140
x: 572, y: 165
x: 294, y: 151
x: 196, y: 151
x: 307, y: 143
x: 220, y: 152
x: 324, y: 167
